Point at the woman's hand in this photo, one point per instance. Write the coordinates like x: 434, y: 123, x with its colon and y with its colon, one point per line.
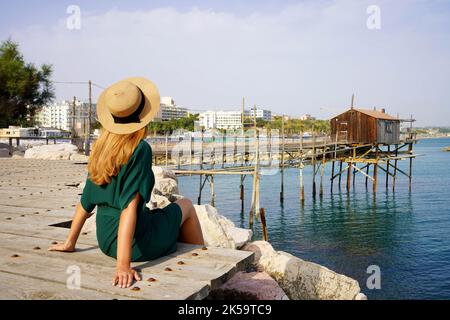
x: 124, y: 277
x: 62, y: 247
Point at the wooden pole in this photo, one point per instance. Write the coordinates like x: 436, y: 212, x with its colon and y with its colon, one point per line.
x: 191, y: 153
x: 201, y: 168
x: 167, y: 148
x: 332, y: 175
x: 410, y: 166
x: 322, y: 173
x: 314, y: 165
x: 213, y: 195
x: 340, y: 173
x: 349, y: 175
x: 73, y: 120
x: 282, y: 160
x: 367, y: 176
x: 375, y: 172
x: 88, y: 133
x: 178, y: 153
x: 224, y: 150
x: 387, y: 167
x: 302, y: 187
x: 395, y: 168
x: 254, y: 210
x: 263, y: 223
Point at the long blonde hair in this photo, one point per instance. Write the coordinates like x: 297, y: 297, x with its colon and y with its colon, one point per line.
x: 110, y: 152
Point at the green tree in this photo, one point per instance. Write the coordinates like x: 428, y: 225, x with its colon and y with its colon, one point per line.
x: 24, y: 88
x: 161, y: 127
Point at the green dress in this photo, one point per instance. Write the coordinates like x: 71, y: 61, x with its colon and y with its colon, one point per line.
x: 156, y: 230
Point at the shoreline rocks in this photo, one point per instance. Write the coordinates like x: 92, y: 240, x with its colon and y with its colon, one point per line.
x: 249, y: 286
x: 60, y: 151
x: 303, y: 280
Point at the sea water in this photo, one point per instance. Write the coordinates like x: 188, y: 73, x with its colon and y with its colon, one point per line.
x: 406, y: 234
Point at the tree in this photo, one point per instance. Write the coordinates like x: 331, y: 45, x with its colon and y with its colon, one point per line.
x: 24, y: 88
x: 170, y: 126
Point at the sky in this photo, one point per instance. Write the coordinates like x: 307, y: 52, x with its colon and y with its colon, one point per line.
x: 292, y: 57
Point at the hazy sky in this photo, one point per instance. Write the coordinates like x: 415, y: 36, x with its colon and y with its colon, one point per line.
x: 293, y: 57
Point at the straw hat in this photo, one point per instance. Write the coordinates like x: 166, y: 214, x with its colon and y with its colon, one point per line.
x: 128, y: 105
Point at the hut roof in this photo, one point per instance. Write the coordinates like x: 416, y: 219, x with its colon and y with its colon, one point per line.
x: 375, y: 114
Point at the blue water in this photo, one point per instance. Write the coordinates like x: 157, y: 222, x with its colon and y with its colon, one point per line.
x: 406, y: 234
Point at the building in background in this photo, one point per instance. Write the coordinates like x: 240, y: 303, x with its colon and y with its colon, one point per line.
x: 260, y: 114
x: 221, y: 119
x: 66, y: 116
x: 20, y: 132
x: 169, y: 110
x: 307, y: 117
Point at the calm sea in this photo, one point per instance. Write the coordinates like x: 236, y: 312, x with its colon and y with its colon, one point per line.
x: 406, y: 234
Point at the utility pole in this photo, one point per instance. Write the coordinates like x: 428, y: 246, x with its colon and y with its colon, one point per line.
x: 87, y: 141
x: 243, y: 116
x: 73, y: 120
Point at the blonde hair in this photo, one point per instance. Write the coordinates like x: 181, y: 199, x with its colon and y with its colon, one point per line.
x: 110, y: 152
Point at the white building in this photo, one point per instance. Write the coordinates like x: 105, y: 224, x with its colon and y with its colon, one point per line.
x: 260, y: 114
x: 63, y: 115
x: 20, y: 132
x: 221, y: 119
x: 169, y: 110
x: 307, y: 117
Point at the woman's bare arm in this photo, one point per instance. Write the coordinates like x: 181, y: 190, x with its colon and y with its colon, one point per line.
x: 78, y: 221
x: 124, y: 273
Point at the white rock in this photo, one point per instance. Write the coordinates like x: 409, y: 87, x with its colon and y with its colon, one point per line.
x: 218, y: 231
x: 61, y: 151
x: 252, y: 285
x: 239, y: 235
x: 361, y: 296
x: 302, y: 280
x: 165, y: 187
x: 161, y: 173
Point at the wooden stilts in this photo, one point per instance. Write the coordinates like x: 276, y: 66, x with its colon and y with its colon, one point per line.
x: 167, y: 149
x: 224, y: 150
x: 199, y: 198
x: 349, y: 175
x: 242, y: 193
x: 332, y: 175
x: 395, y: 168
x: 367, y: 176
x: 314, y: 165
x: 375, y: 172
x: 410, y: 167
x: 340, y: 173
x: 213, y: 195
x: 178, y: 153
x: 191, y: 153
x: 322, y: 172
x: 263, y: 223
x: 282, y: 160
x: 301, y: 166
x: 388, y: 168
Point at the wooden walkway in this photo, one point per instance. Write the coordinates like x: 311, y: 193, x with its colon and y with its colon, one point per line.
x: 36, y: 194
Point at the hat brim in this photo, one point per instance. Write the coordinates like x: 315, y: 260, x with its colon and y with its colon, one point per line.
x: 151, y: 108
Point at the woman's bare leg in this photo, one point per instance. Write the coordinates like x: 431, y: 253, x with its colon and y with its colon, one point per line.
x: 190, y: 229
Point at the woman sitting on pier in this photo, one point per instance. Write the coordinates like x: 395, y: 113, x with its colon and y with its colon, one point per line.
x: 120, y: 183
